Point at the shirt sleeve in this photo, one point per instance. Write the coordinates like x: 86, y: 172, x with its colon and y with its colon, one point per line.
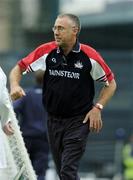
x: 36, y: 60
x: 4, y: 99
x: 101, y: 72
x: 3, y: 81
x: 33, y: 62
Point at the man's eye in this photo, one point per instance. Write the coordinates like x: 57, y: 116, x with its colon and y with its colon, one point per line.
x: 58, y: 28
x: 61, y: 28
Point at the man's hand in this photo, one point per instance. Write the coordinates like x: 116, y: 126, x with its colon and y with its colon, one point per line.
x: 94, y: 118
x: 7, y: 128
x: 17, y: 92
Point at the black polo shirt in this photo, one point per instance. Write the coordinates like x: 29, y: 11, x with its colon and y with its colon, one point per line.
x: 68, y: 88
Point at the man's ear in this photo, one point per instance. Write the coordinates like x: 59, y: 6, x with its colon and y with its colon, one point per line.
x: 75, y: 30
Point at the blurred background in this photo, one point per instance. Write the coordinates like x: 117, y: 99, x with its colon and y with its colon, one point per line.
x: 107, y: 25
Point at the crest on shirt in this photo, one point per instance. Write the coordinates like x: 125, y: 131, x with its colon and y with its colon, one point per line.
x: 78, y: 64
x: 54, y: 60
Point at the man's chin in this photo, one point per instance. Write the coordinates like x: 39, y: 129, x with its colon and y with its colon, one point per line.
x: 58, y: 43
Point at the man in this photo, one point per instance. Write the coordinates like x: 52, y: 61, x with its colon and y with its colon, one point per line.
x: 68, y: 91
x: 33, y: 119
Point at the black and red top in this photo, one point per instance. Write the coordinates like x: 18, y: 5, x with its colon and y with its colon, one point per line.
x: 68, y: 88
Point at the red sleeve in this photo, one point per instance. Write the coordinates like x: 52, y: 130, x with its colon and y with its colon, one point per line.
x: 93, y: 54
x: 36, y: 55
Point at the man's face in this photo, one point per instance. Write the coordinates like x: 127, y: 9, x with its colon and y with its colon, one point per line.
x: 64, y: 31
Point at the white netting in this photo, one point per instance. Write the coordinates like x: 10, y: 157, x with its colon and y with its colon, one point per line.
x: 20, y: 162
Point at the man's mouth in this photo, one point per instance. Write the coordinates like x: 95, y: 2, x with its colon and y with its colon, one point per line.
x: 57, y: 38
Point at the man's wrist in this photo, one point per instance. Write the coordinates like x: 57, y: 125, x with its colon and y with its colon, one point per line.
x: 99, y: 106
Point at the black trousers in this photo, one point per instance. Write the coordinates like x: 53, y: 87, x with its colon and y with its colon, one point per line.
x: 67, y: 139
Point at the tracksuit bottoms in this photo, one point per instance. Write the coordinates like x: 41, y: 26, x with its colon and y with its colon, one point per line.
x: 67, y: 139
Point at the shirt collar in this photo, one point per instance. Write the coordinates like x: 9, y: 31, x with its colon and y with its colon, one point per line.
x: 76, y: 47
